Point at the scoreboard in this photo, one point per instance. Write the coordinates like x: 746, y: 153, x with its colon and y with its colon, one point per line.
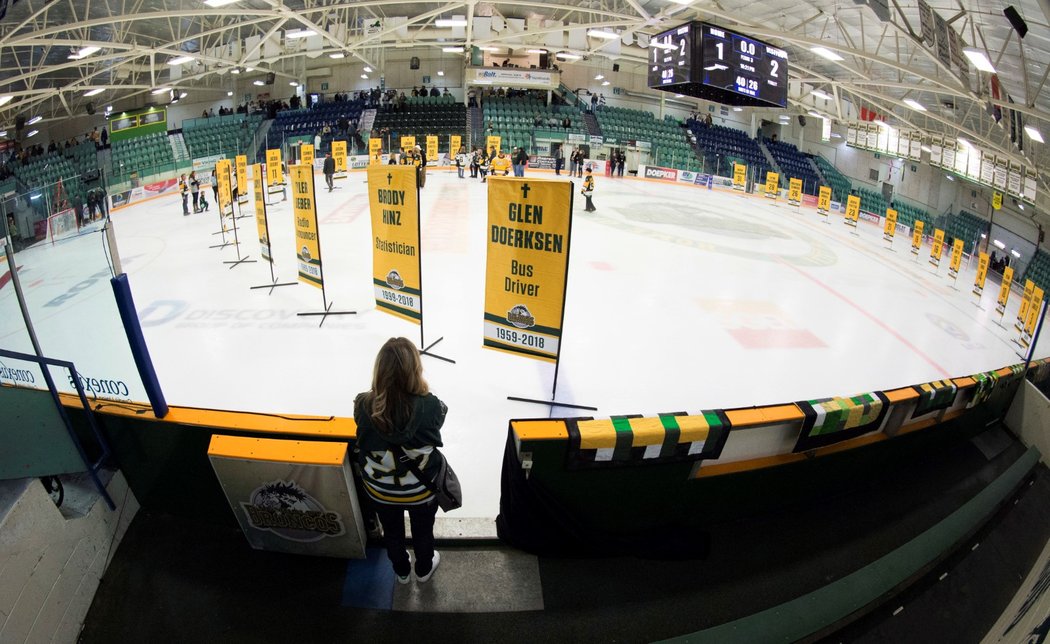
x: 716, y: 64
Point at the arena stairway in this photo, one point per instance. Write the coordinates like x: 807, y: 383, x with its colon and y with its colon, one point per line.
x: 816, y: 171
x: 593, y: 128
x: 769, y: 158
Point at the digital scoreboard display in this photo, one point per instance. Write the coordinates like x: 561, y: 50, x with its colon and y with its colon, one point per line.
x: 723, y: 66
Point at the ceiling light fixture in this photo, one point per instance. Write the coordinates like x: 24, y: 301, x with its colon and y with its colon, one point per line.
x: 3, y: 132
x: 4, y: 100
x: 605, y: 83
x: 337, y: 55
x: 368, y: 70
x: 302, y: 33
x: 567, y: 56
x: 683, y: 2
x: 161, y: 90
x: 965, y: 143
x: 258, y: 82
x: 915, y: 105
x: 441, y: 73
x: 814, y: 114
x: 489, y: 48
x: 235, y: 71
x: 181, y: 60
x: 94, y: 92
x: 229, y: 93
x: 535, y: 51
x: 249, y: 69
x: 32, y: 133
x: 84, y: 52
x: 599, y: 77
x: 450, y: 22
x: 601, y: 33
x: 452, y: 50
x: 35, y: 119
x: 950, y: 177
x: 820, y: 94
x: 364, y: 76
x: 1033, y: 133
x: 1014, y: 251
x: 824, y: 52
x: 293, y: 83
x: 183, y: 95
x: 738, y: 109
x: 218, y: 3
x: 979, y: 59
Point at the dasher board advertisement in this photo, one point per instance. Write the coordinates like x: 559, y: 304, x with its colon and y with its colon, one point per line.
x: 274, y: 172
x: 241, y: 166
x: 307, y: 240
x: 339, y: 157
x: 291, y: 496
x: 260, y: 213
x: 393, y: 202
x: 526, y: 266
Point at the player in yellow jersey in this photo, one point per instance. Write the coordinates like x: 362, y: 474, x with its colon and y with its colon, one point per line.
x: 588, y: 190
x: 501, y: 164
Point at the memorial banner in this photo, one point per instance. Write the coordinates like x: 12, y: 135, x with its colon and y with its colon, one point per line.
x: 222, y: 175
x: 307, y: 241
x: 1032, y: 316
x: 306, y: 154
x: 916, y: 236
x: 997, y: 200
x: 261, y: 223
x: 1004, y: 290
x: 891, y: 225
x: 375, y: 151
x: 393, y: 202
x: 739, y: 176
x: 274, y: 172
x: 241, y: 162
x: 956, y: 259
x: 937, y: 248
x: 432, y: 148
x: 492, y: 143
x: 408, y: 143
x: 824, y: 201
x: 339, y: 157
x: 982, y: 274
x: 852, y: 210
x: 795, y: 192
x: 455, y: 142
x: 772, y: 185
x: 527, y: 260
x: 1026, y: 303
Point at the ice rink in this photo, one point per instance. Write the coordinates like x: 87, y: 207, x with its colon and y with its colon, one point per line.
x: 679, y: 299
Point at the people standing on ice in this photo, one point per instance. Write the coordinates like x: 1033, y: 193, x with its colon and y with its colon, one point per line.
x: 588, y: 191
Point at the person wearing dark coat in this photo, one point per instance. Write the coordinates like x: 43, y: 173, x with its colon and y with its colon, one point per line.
x: 328, y: 169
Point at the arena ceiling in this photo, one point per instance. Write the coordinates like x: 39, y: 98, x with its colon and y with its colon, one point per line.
x: 885, y: 59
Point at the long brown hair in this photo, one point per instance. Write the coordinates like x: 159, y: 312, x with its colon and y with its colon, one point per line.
x: 396, y: 377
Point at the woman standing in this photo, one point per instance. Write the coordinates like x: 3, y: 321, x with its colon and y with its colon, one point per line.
x: 399, y: 418
x: 195, y: 188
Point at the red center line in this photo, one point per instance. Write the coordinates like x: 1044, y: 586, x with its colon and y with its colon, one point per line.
x: 944, y: 372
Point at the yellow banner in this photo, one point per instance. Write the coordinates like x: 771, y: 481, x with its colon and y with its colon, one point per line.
x: 937, y: 248
x: 375, y: 151
x: 772, y: 185
x: 1004, y: 290
x: 339, y: 156
x: 222, y: 176
x: 307, y: 241
x: 916, y: 237
x: 260, y: 213
x: 824, y: 200
x: 956, y: 260
x: 1026, y: 303
x: 274, y: 173
x: 739, y: 176
x: 852, y: 210
x: 306, y: 154
x: 982, y: 274
x: 492, y: 142
x: 997, y: 200
x: 795, y: 192
x: 890, y: 229
x: 407, y: 143
x: 526, y: 265
x: 432, y: 147
x: 393, y: 202
x: 241, y: 162
x: 455, y: 142
x: 1033, y: 315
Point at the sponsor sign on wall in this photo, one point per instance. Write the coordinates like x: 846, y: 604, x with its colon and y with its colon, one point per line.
x: 501, y: 76
x: 656, y: 172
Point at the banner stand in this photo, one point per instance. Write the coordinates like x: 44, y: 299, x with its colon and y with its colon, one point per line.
x: 221, y: 231
x: 264, y: 230
x: 236, y: 241
x: 1035, y: 337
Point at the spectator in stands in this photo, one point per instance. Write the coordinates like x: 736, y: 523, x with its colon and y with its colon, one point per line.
x: 204, y: 114
x: 211, y: 112
x: 415, y: 92
x: 445, y: 92
x: 594, y: 102
x: 434, y: 91
x: 51, y: 146
x: 472, y: 98
x: 326, y: 130
x: 708, y: 120
x: 566, y: 123
x: 537, y: 121
x: 104, y: 137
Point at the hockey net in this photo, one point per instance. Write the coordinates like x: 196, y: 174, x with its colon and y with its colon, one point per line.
x: 62, y: 224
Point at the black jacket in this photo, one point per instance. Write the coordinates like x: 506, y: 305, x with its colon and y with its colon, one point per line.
x: 329, y: 165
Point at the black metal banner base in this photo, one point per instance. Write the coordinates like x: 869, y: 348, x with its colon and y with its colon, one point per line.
x: 426, y: 351
x: 242, y: 216
x: 221, y: 232
x: 243, y: 260
x: 551, y: 403
x: 272, y: 286
x: 224, y: 245
x: 325, y: 313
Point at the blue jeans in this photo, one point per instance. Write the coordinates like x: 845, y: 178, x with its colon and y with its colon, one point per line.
x: 519, y: 169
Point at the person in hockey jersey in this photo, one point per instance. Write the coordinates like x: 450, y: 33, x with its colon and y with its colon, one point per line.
x: 184, y: 190
x: 588, y: 191
x: 399, y: 417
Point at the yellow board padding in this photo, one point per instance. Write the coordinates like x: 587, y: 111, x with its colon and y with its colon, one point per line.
x: 596, y: 434
x: 277, y: 450
x: 771, y: 415
x: 533, y: 430
x: 647, y: 431
x: 692, y: 428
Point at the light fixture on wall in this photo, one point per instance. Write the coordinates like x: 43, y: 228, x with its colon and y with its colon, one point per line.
x: 441, y: 73
x: 258, y: 83
x: 535, y: 51
x: 32, y: 133
x: 364, y: 76
x: 94, y: 92
x: 337, y: 55
x: 452, y: 50
x: 229, y: 93
x: 368, y: 70
x: 35, y: 119
x: 84, y: 52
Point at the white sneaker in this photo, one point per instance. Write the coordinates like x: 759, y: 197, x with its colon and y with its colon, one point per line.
x: 407, y: 578
x: 433, y: 566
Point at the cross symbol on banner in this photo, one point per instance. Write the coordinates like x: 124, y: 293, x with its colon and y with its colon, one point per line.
x: 388, y: 178
x: 525, y: 190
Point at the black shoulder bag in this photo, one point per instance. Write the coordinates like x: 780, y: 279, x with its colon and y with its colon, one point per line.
x: 445, y: 485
